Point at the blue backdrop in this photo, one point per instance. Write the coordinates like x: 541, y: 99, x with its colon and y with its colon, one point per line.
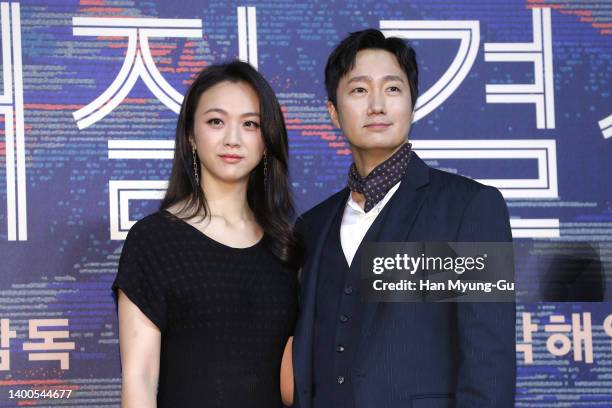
x: 514, y: 93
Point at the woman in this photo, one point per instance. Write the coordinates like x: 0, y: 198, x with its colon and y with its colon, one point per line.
x: 207, y: 286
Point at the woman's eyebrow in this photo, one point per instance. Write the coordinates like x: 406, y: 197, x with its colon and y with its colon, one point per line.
x: 250, y: 114
x: 218, y: 110
x: 224, y: 112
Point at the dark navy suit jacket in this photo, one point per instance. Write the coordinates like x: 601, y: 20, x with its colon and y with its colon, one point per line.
x: 420, y: 355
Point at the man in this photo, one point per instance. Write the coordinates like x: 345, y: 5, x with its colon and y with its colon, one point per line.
x: 347, y: 353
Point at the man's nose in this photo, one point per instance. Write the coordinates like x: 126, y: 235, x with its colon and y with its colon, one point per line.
x: 376, y: 103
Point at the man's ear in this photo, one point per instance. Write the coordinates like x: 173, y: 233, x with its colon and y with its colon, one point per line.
x: 333, y: 114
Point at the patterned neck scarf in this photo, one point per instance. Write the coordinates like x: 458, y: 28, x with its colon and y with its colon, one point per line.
x: 380, y: 180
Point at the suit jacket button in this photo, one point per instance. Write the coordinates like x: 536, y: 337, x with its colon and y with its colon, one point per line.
x: 348, y: 290
x: 340, y: 379
x: 344, y: 318
x: 340, y: 348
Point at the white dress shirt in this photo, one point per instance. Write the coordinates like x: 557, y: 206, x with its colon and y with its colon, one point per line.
x: 356, y: 223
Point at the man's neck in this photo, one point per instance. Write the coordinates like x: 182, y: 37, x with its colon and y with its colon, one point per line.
x: 359, y: 199
x: 368, y: 160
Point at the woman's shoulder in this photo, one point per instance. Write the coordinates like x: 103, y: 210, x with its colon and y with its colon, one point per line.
x: 153, y: 220
x: 150, y: 226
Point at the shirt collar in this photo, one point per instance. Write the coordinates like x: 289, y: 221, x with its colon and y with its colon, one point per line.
x: 352, y: 204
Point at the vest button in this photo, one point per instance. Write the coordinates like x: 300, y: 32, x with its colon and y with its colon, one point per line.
x: 340, y: 379
x: 344, y: 318
x: 340, y: 348
x: 348, y: 290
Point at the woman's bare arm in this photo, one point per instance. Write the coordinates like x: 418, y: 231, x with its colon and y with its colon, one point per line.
x: 286, y: 375
x: 140, y: 342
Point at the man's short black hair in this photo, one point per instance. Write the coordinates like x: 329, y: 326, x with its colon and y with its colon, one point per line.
x: 342, y: 59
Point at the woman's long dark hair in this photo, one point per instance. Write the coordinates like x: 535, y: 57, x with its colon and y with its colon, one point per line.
x: 271, y: 203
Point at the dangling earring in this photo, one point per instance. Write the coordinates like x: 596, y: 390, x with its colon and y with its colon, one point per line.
x: 195, y: 165
x: 265, y: 163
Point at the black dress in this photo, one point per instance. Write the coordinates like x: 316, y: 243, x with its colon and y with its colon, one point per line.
x: 224, y: 313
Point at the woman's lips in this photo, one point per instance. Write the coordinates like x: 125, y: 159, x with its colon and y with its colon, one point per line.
x: 230, y: 158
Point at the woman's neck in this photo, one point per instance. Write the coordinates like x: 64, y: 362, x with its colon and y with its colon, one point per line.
x: 227, y: 200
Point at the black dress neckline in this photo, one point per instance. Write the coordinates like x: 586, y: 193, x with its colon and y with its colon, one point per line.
x: 214, y: 241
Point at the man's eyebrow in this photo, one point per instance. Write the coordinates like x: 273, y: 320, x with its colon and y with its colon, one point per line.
x: 393, y: 78
x: 367, y: 78
x: 360, y: 78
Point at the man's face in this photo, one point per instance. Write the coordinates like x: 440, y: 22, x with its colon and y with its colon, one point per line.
x: 373, y: 109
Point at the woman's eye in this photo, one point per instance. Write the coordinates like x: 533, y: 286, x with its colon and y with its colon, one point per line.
x: 252, y: 125
x: 215, y: 122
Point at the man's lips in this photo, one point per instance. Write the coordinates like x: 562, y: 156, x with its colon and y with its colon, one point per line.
x: 377, y: 125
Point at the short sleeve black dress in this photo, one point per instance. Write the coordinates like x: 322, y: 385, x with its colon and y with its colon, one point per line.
x: 225, y: 313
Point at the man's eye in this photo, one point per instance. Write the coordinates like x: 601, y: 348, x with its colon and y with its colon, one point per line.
x: 251, y: 124
x: 394, y: 89
x: 358, y: 90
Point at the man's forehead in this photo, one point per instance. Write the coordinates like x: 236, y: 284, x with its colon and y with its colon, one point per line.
x: 374, y: 64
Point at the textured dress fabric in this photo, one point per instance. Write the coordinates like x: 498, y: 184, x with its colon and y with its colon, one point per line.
x: 224, y: 313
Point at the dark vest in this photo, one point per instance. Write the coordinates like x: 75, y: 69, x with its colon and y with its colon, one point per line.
x: 338, y: 315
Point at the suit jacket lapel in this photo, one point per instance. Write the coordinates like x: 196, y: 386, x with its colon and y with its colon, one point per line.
x: 406, y: 203
x: 398, y: 222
